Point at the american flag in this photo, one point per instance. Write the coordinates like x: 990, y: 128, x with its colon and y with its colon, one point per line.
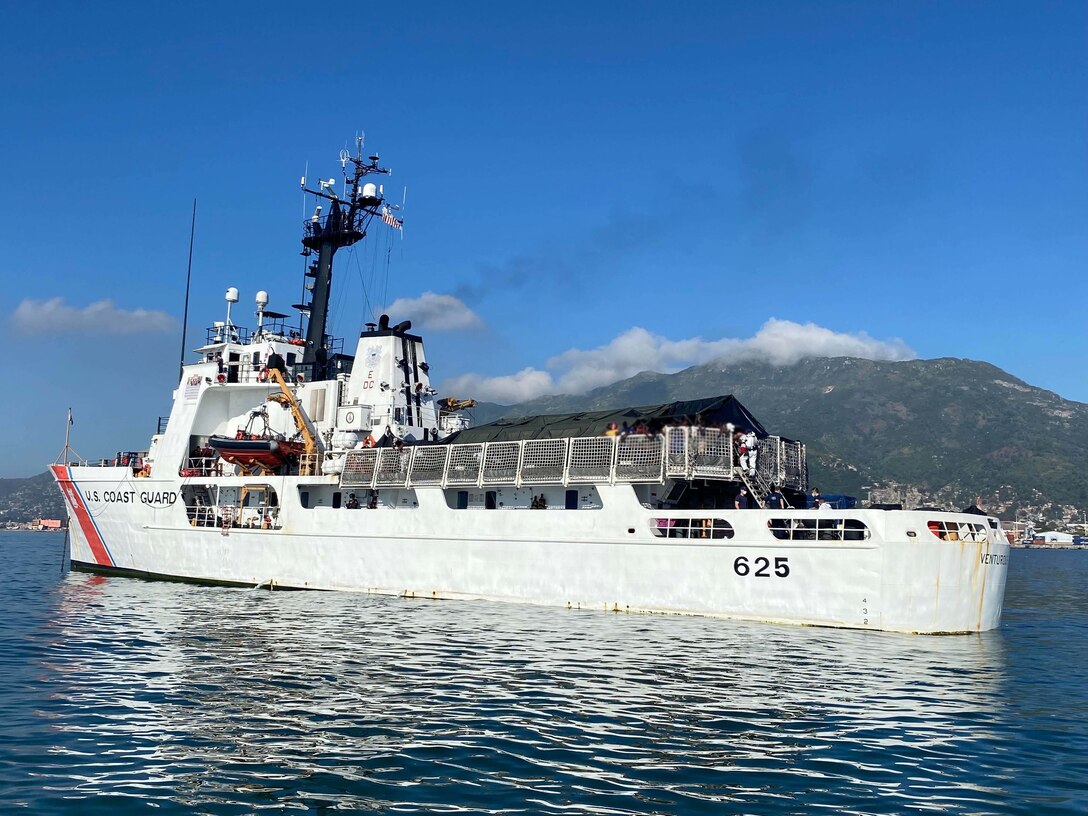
x: 391, y: 219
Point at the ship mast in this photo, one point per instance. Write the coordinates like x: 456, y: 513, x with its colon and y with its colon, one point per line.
x: 345, y: 223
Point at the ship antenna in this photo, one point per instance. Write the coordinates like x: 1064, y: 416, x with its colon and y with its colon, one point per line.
x: 188, y: 279
x: 345, y: 223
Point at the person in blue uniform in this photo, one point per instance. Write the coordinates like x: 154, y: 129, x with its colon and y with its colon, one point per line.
x: 775, y: 499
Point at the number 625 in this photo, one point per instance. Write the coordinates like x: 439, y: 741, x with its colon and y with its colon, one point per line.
x: 761, y: 566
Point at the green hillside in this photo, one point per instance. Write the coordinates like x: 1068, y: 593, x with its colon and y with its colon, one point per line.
x: 950, y: 429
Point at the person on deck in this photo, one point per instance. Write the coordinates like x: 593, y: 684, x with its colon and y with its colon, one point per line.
x: 352, y: 503
x: 748, y: 452
x: 741, y: 501
x: 775, y: 499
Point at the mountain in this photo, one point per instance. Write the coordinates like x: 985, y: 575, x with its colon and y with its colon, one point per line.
x: 23, y: 500
x: 939, y: 431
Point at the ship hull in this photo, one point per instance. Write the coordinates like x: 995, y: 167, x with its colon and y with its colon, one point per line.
x: 899, y: 578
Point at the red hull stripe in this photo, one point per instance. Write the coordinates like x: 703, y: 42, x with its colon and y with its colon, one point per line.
x: 83, y: 515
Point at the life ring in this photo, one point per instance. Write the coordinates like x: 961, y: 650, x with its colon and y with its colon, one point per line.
x: 369, y: 441
x: 262, y: 375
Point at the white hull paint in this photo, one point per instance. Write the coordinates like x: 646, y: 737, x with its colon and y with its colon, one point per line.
x: 606, y: 559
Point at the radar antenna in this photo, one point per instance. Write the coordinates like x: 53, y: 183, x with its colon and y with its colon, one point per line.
x: 346, y: 222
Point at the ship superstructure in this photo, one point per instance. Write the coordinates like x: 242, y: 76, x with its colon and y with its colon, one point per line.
x: 286, y: 462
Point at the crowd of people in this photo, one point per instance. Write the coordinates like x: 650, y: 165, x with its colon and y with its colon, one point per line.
x: 745, y: 441
x: 640, y: 428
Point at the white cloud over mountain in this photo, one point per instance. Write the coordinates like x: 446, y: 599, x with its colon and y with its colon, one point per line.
x: 779, y: 342
x: 54, y: 316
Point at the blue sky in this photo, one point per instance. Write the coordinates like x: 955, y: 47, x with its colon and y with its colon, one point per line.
x: 593, y: 188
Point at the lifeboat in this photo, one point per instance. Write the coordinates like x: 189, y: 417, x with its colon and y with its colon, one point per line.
x: 256, y: 452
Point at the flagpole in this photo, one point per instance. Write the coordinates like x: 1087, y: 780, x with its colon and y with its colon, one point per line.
x: 188, y: 278
x: 67, y: 431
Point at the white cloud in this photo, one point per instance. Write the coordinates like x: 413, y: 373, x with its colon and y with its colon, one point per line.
x: 54, y: 316
x: 435, y: 312
x: 779, y: 342
x: 526, y: 384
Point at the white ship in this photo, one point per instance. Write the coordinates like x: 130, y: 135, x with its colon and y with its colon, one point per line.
x: 285, y: 463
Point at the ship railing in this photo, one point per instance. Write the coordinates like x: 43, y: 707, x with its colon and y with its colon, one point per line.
x: 132, y: 459
x: 679, y: 452
x: 793, y: 465
x: 711, y: 451
x: 202, y: 466
x: 226, y: 334
x: 677, y: 459
x: 251, y: 517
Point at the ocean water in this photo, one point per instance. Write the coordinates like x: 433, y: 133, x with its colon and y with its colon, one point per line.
x: 120, y: 696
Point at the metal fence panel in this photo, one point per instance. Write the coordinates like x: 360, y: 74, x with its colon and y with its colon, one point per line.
x: 501, y: 462
x: 359, y: 468
x: 543, y: 461
x: 711, y: 451
x: 676, y: 452
x: 393, y: 467
x: 639, y: 458
x: 429, y: 465
x: 464, y: 464
x: 591, y: 459
x: 793, y: 465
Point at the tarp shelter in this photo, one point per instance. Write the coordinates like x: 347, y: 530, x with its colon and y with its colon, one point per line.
x: 710, y: 412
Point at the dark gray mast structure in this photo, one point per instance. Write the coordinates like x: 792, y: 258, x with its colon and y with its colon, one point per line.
x: 346, y: 222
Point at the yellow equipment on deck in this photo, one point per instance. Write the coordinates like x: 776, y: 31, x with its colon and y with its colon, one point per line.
x: 308, y: 461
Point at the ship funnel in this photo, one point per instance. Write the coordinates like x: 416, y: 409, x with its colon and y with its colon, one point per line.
x: 383, y: 322
x: 403, y: 326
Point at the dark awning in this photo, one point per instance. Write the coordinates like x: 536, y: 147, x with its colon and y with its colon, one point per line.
x: 710, y: 412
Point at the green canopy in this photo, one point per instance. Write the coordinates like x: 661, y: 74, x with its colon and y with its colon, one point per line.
x: 710, y: 412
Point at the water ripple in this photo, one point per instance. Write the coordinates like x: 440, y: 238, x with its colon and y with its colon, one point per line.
x: 124, y: 694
